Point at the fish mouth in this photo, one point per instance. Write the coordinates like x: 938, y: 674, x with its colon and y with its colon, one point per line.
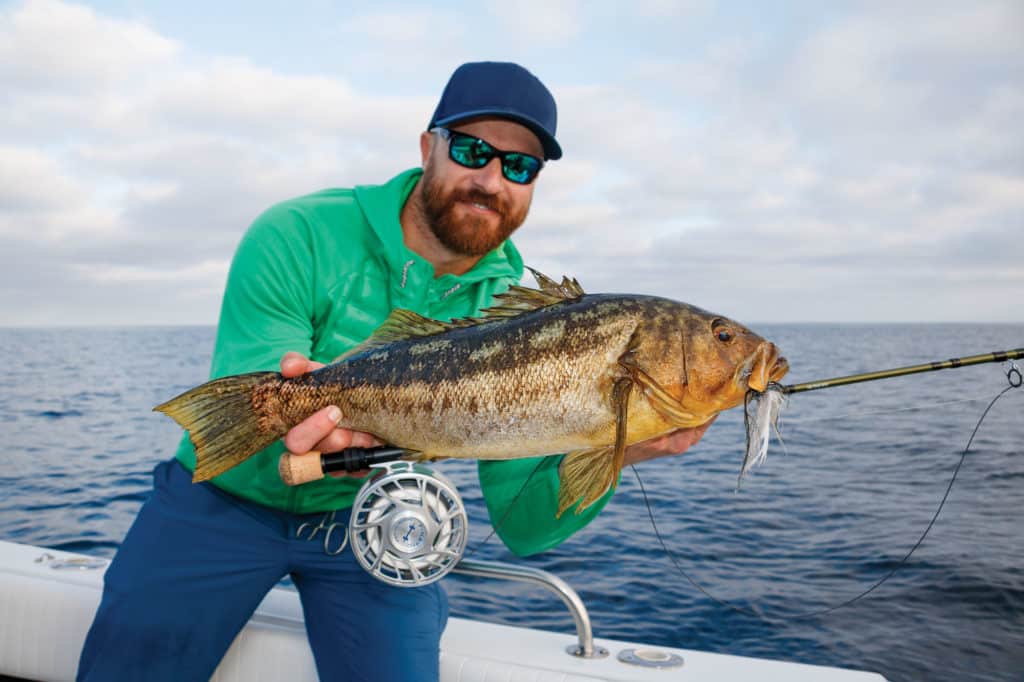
x: 764, y: 366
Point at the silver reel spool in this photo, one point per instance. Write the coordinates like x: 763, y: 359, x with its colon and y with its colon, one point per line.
x: 408, y: 525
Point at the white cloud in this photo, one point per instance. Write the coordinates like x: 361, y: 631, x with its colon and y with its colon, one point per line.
x: 46, y: 43
x: 668, y: 9
x: 40, y: 200
x: 409, y: 27
x: 874, y: 153
x: 30, y: 179
x: 205, y: 271
x: 539, y: 20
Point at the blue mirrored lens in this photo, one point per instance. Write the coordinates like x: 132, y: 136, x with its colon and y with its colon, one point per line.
x: 472, y: 152
x: 520, y: 167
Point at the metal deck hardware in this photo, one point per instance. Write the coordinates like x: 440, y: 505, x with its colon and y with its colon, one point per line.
x: 493, y: 569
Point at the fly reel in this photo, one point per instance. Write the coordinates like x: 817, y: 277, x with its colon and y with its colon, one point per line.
x: 408, y: 525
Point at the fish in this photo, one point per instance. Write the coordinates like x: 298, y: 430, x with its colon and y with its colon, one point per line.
x: 544, y: 371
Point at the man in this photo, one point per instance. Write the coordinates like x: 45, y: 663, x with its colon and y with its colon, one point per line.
x: 312, y: 277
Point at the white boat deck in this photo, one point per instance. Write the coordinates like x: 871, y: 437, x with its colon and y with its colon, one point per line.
x: 45, y: 611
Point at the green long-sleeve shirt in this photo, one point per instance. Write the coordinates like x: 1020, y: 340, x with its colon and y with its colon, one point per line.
x: 317, y: 274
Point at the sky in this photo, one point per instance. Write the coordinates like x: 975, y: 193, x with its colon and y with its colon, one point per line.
x: 800, y: 162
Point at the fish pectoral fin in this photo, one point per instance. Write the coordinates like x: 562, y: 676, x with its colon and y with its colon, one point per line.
x: 586, y: 474
x: 661, y: 400
x: 620, y: 402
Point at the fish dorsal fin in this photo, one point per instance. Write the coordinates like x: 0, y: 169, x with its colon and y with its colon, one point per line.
x: 403, y: 324
x: 400, y: 325
x: 567, y: 290
x: 519, y: 299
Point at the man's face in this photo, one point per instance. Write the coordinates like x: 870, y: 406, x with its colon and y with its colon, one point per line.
x: 472, y: 211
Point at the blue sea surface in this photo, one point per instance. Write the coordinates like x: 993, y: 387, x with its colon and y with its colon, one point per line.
x: 863, y: 472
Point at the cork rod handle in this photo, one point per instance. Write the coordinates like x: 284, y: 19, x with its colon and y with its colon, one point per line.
x: 298, y: 469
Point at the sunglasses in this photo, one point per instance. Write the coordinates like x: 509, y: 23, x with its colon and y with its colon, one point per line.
x: 472, y: 152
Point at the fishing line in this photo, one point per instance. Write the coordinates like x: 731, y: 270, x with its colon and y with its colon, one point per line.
x: 1015, y: 379
x: 508, y: 510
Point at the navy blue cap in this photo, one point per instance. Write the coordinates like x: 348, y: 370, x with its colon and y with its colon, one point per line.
x: 501, y: 89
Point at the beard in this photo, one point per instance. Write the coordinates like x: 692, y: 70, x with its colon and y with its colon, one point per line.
x: 469, y: 235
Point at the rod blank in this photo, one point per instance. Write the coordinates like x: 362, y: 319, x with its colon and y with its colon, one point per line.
x: 997, y: 356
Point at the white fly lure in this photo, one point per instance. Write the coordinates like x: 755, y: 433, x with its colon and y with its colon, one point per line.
x: 762, y: 412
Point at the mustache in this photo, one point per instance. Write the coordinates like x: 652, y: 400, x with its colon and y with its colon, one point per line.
x: 475, y: 196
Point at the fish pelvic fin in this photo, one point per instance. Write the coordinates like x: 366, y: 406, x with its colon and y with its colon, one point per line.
x: 402, y: 324
x: 222, y: 421
x: 589, y: 474
x: 586, y: 474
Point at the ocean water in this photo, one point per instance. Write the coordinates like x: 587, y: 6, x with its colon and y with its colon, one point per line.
x: 863, y: 472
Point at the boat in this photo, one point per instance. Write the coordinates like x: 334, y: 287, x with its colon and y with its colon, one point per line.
x: 48, y: 598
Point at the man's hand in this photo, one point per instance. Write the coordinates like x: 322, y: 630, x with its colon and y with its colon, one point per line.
x: 675, y: 443
x: 320, y: 430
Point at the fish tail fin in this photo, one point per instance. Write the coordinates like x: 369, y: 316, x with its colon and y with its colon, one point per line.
x: 222, y: 421
x: 587, y: 474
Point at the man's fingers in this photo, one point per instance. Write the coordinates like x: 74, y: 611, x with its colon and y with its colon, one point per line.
x: 315, y: 428
x: 684, y: 439
x: 320, y: 432
x: 346, y: 438
x: 361, y: 439
x: 338, y: 439
x: 293, y: 364
x: 674, y: 443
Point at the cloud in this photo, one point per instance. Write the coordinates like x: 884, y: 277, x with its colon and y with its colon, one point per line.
x: 415, y: 28
x: 203, y: 271
x: 853, y: 163
x: 45, y: 43
x: 861, y: 153
x: 539, y: 20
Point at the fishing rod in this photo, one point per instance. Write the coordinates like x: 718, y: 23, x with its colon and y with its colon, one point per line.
x: 768, y: 416
x: 997, y: 356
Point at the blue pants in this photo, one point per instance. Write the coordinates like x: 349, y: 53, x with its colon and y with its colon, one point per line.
x: 198, y: 561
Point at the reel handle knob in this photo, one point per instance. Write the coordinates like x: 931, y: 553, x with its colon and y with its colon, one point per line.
x: 311, y: 466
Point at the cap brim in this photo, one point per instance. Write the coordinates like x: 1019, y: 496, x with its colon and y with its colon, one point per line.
x: 552, y: 150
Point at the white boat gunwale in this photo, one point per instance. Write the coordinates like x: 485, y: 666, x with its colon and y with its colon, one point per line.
x: 47, y: 611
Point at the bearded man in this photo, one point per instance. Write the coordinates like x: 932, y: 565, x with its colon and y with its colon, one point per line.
x: 313, y: 277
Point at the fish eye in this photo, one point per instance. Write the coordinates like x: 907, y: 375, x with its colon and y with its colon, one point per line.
x: 721, y: 331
